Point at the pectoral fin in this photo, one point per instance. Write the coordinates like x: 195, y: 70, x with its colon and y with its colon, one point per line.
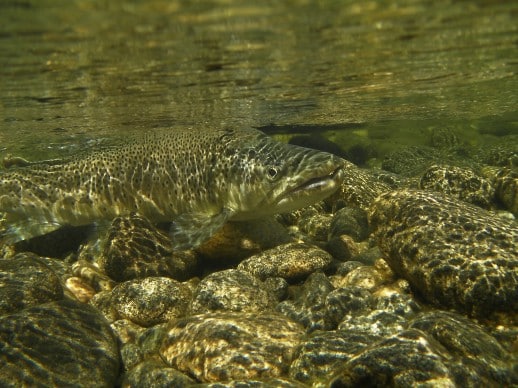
x: 191, y: 229
x: 12, y: 232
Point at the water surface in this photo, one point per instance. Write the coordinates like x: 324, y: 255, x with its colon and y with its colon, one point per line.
x: 75, y: 73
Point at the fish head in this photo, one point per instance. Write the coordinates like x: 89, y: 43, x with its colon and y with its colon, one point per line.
x: 274, y: 177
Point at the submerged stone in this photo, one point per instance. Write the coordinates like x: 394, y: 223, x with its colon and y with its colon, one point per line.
x: 453, y: 253
x: 231, y: 346
x: 291, y: 261
x: 26, y: 280
x: 62, y: 343
x: 231, y: 290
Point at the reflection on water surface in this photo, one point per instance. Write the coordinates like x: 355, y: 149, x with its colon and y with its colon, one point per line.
x: 75, y: 72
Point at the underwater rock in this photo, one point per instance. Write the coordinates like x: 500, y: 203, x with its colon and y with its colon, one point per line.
x: 366, y: 277
x: 411, y: 161
x: 455, y: 254
x: 502, y: 154
x: 324, y: 353
x: 460, y: 183
x: 238, y: 240
x: 358, y: 189
x: 230, y: 346
x: 505, y: 181
x: 350, y: 221
x: 291, y: 261
x: 407, y: 359
x: 315, y: 226
x: 231, y: 290
x: 254, y: 383
x: 61, y: 343
x: 475, y: 358
x: 444, y: 138
x: 151, y: 300
x: 152, y: 373
x: 26, y: 280
x: 144, y: 346
x: 91, y: 274
x: 308, y: 308
x: 344, y: 248
x: 136, y: 249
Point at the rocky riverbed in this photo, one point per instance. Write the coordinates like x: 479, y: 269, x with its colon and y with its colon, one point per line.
x: 406, y: 276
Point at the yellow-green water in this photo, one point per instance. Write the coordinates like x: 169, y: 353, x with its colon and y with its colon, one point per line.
x: 75, y: 73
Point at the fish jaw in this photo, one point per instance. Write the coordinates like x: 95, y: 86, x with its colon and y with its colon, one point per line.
x: 310, y: 191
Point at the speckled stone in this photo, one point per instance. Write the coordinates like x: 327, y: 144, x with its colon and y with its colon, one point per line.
x: 324, y: 353
x: 231, y: 290
x: 505, y: 181
x: 458, y: 182
x: 136, y: 249
x: 381, y: 312
x: 350, y: 221
x: 502, y: 154
x: 145, y: 346
x: 315, y: 226
x: 455, y: 254
x: 230, y: 346
x: 444, y: 137
x: 411, y: 161
x: 308, y: 307
x: 291, y: 261
x: 153, y: 373
x: 476, y: 358
x: 26, y: 280
x: 62, y: 343
x: 358, y: 189
x: 102, y: 301
x: 407, y: 359
x: 151, y: 300
x: 255, y: 383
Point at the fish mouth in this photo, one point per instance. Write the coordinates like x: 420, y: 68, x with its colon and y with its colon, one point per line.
x: 320, y: 183
x: 310, y: 191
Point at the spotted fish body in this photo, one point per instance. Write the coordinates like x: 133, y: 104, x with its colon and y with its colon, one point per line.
x: 197, y: 180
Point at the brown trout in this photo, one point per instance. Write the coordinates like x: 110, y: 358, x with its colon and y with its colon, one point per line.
x: 196, y: 180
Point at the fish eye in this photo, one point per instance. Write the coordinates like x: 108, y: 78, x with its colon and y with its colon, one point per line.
x: 272, y: 172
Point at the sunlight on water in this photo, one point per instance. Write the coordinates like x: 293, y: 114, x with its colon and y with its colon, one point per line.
x: 74, y: 73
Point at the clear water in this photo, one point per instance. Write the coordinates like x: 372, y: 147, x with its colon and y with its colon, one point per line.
x: 74, y: 73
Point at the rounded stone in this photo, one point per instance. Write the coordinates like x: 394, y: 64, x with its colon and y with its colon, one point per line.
x: 231, y: 290
x: 358, y: 189
x: 291, y: 261
x: 61, y: 343
x: 308, y: 307
x: 455, y: 254
x: 316, y: 226
x: 229, y: 346
x: 407, y: 359
x: 152, y: 373
x: 350, y: 221
x: 151, y: 300
x: 458, y: 182
x: 506, y: 187
x: 324, y: 353
x: 477, y: 359
x: 26, y: 280
x: 136, y: 249
x: 411, y: 161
